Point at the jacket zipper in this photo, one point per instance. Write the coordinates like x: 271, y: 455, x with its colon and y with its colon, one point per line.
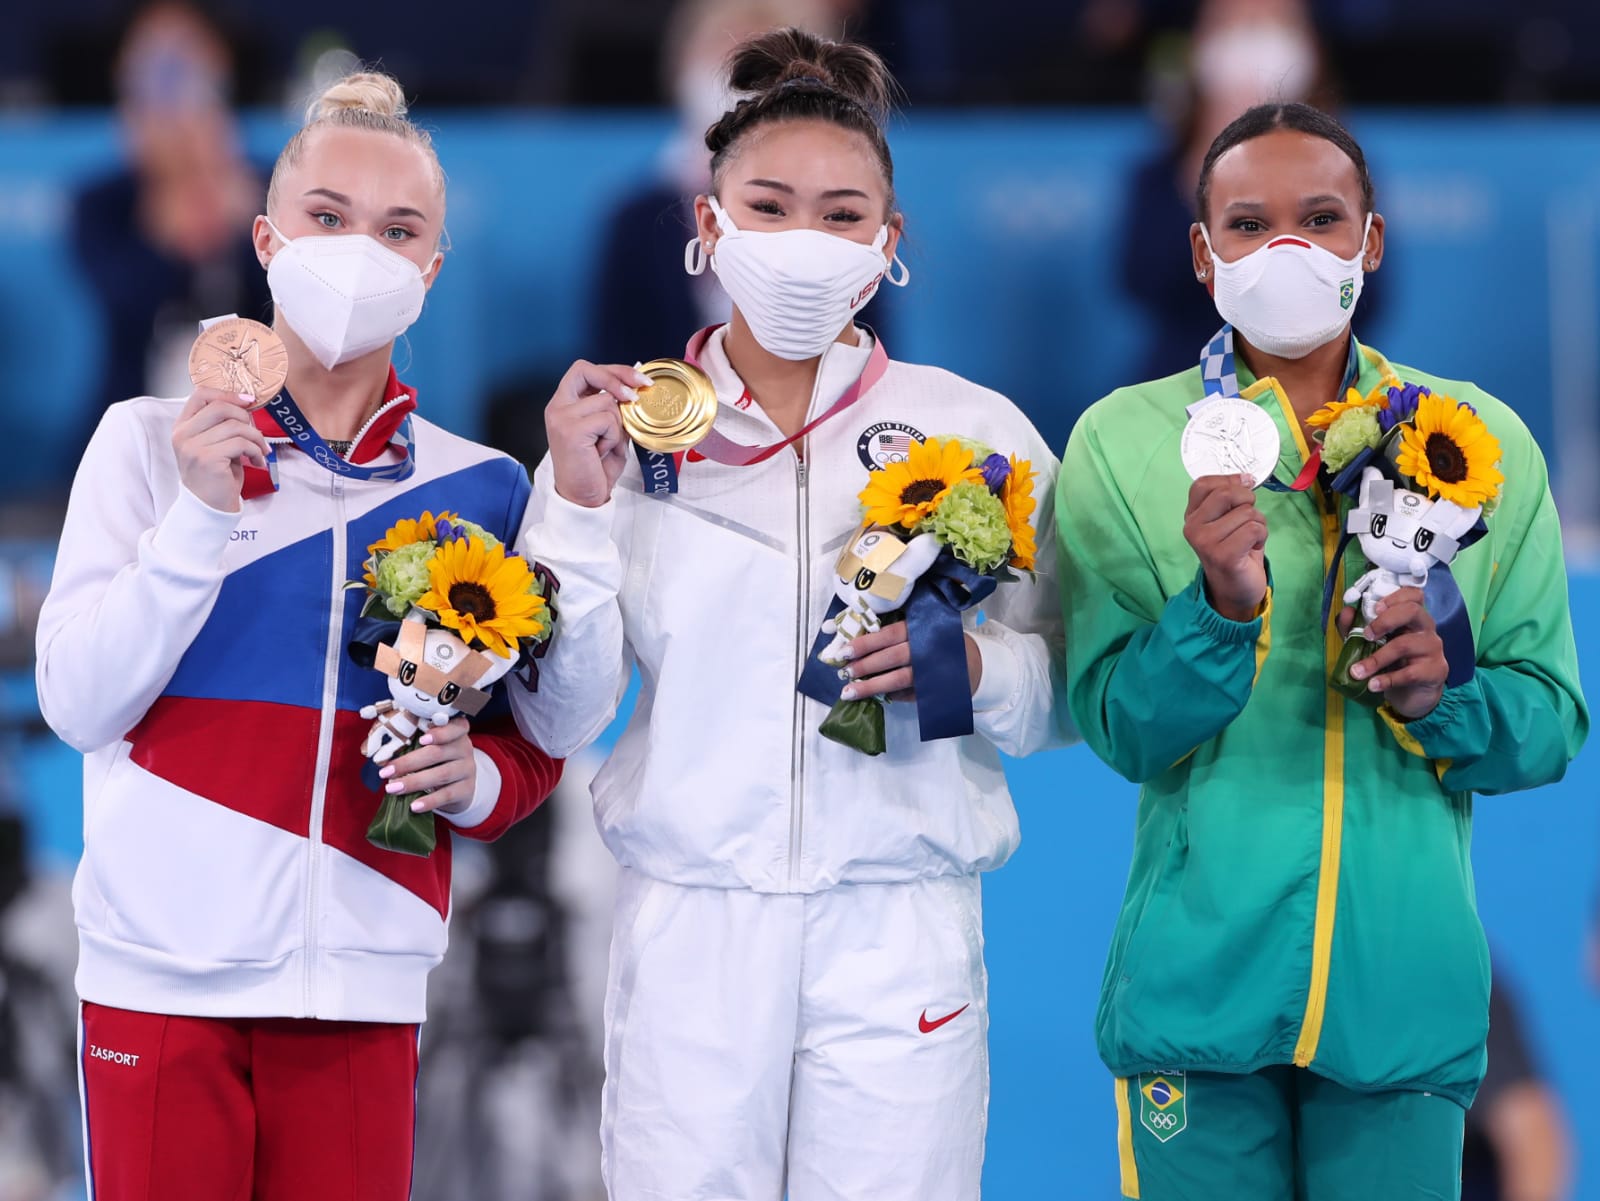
x: 802, y: 645
x: 1332, y: 777
x: 330, y: 703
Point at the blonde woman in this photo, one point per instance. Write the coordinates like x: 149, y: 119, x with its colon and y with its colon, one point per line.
x: 252, y: 970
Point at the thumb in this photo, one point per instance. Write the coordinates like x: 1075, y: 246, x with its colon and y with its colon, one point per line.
x: 1347, y: 618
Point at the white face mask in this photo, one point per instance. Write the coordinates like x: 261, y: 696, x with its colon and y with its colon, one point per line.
x: 797, y: 288
x: 344, y: 295
x: 1290, y: 296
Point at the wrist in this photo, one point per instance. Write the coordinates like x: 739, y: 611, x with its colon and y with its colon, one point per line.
x: 1232, y: 607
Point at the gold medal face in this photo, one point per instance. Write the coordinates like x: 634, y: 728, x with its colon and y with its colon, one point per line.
x: 675, y: 412
x: 239, y: 356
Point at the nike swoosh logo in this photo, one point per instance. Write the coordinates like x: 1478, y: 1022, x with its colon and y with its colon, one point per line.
x: 927, y: 1027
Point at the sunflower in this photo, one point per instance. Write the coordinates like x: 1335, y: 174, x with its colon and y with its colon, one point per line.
x: 1449, y: 451
x: 904, y: 493
x: 1324, y: 417
x: 484, y: 595
x: 1017, y: 496
x: 404, y: 532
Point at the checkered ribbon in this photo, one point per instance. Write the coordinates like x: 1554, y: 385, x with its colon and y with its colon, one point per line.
x: 1217, y: 372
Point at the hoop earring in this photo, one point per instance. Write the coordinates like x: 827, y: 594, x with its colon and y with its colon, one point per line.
x: 696, y: 256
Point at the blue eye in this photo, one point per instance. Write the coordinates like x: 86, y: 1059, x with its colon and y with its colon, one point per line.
x: 327, y: 220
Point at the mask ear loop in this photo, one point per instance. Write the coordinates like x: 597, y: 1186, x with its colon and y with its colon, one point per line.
x: 695, y: 257
x: 905, y: 272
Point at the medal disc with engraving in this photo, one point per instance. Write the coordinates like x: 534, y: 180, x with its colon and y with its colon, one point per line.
x: 675, y: 412
x: 240, y: 356
x: 1230, y: 436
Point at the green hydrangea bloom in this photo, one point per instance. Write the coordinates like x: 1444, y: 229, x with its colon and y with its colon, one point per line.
x: 971, y: 521
x: 403, y: 576
x: 474, y: 530
x: 1352, y: 432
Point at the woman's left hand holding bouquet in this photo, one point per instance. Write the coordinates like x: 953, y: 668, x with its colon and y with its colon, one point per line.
x: 880, y: 665
x: 443, y: 767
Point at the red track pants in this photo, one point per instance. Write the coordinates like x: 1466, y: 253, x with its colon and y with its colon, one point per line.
x: 246, y: 1109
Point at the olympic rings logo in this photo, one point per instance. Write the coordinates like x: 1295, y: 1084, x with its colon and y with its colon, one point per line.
x: 1163, y: 1121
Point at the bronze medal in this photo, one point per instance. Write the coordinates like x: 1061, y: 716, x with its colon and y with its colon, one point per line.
x: 240, y: 356
x: 675, y: 412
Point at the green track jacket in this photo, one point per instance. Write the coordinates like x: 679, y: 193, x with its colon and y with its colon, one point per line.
x: 1301, y: 888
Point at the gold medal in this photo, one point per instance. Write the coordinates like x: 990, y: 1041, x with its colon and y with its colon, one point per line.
x: 238, y: 355
x: 676, y: 411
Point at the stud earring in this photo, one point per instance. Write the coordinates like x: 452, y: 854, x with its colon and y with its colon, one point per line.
x: 1201, y: 274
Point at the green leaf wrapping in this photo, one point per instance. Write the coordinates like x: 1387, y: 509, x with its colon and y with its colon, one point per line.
x: 857, y: 724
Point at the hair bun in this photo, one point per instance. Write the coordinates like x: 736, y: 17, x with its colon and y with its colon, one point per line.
x: 367, y: 91
x: 767, y: 62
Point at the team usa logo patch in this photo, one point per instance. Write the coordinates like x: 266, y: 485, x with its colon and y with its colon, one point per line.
x: 885, y: 443
x: 1163, y: 1104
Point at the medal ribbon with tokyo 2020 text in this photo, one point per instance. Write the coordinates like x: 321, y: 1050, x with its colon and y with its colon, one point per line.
x: 661, y: 468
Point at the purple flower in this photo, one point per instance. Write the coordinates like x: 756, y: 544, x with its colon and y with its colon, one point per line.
x: 995, y: 470
x: 449, y: 531
x: 1402, y: 406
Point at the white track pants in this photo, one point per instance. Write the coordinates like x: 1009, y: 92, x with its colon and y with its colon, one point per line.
x: 831, y: 1046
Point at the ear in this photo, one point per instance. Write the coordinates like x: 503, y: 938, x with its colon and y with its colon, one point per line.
x: 897, y: 226
x: 498, y: 667
x: 265, y: 241
x: 705, y: 224
x: 1205, y: 269
x: 432, y: 273
x: 1377, y: 493
x: 1372, y: 256
x: 1450, y: 519
x: 921, y: 551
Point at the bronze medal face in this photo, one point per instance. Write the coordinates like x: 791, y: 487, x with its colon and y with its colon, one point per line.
x: 675, y: 412
x: 239, y: 356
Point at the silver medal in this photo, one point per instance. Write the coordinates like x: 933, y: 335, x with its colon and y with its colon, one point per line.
x: 1230, y: 436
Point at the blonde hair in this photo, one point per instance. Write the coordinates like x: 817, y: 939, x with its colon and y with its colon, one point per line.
x: 368, y: 100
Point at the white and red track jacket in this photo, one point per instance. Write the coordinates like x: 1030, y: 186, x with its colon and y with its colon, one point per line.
x: 198, y: 660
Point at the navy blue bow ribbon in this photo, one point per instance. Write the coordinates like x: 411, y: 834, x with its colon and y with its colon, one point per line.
x: 938, y: 648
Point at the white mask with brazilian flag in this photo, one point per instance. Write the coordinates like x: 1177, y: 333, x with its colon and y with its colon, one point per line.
x: 1290, y: 296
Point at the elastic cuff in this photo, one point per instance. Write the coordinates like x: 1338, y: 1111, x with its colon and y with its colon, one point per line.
x: 192, y: 535
x: 484, y: 796
x: 1401, y: 731
x: 998, y: 682
x: 1434, y: 729
x: 1214, y: 624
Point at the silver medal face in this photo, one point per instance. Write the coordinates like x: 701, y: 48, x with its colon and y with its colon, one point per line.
x: 1229, y: 436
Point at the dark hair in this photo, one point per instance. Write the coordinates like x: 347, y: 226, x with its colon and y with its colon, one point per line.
x: 789, y: 75
x: 1264, y: 118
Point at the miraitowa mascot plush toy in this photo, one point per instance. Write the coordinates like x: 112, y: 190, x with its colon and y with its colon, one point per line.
x: 1403, y: 534
x: 433, y: 675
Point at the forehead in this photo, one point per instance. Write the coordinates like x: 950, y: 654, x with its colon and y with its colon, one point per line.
x: 807, y: 153
x: 377, y: 170
x: 1284, y: 164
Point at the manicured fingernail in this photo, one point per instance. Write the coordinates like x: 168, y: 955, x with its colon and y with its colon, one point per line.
x: 1376, y: 685
x: 847, y: 694
x: 386, y: 773
x: 246, y: 398
x: 848, y: 653
x: 416, y: 806
x: 1359, y: 672
x: 642, y: 380
x: 628, y: 393
x: 427, y: 740
x: 395, y: 786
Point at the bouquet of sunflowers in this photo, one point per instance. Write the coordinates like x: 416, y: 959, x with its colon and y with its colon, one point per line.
x: 941, y: 529
x: 448, y: 613
x: 1423, y: 470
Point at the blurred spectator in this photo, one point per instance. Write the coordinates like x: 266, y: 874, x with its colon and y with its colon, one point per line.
x: 1241, y: 53
x: 165, y: 240
x: 646, y: 305
x: 1517, y: 1143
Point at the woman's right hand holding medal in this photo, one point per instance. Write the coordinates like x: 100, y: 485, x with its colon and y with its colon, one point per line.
x: 214, y: 437
x: 1229, y: 534
x: 588, y: 446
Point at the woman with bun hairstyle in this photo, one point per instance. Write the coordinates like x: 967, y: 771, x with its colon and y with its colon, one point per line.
x: 252, y: 970
x: 797, y: 1000
x: 1296, y: 999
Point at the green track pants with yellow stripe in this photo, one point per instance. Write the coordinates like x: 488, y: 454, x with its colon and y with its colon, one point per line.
x: 1283, y: 1134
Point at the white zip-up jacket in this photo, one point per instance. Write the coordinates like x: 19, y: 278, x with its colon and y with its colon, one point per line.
x: 198, y: 660
x: 716, y: 594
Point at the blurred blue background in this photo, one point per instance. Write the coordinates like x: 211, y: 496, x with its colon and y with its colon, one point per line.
x: 1041, y: 165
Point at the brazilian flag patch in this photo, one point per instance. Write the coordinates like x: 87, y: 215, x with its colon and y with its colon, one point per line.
x: 1347, y: 293
x: 1163, y: 1104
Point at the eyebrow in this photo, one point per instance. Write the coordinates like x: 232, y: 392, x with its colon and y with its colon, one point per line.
x: 341, y: 198
x: 779, y: 186
x: 1257, y: 206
